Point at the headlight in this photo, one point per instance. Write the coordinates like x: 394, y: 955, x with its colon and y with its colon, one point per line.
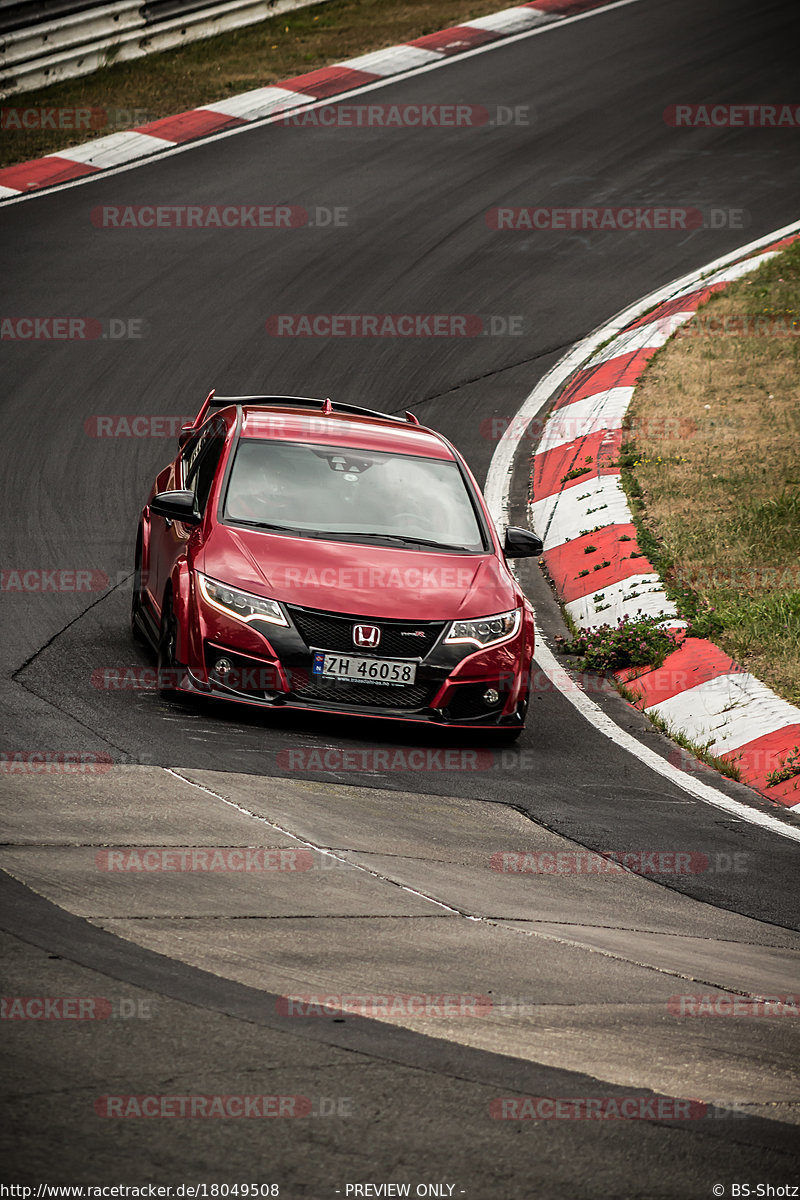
x: 242, y: 605
x: 486, y: 631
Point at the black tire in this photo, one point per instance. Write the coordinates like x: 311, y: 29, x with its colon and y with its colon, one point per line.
x: 167, y: 639
x: 136, y: 595
x: 507, y: 734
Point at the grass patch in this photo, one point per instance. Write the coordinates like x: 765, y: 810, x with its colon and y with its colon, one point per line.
x: 642, y: 643
x: 711, y: 468
x: 173, y: 81
x: 789, y: 768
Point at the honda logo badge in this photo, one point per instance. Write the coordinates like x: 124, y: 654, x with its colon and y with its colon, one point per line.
x: 366, y: 636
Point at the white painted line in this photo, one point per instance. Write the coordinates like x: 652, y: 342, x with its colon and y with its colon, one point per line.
x: 566, y: 515
x: 727, y: 711
x: 497, y: 491
x: 588, y: 415
x: 115, y: 149
x: 261, y: 102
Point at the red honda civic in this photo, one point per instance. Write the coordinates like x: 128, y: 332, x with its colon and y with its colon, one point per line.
x: 304, y: 555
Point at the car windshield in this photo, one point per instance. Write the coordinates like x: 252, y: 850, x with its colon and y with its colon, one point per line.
x: 353, y: 495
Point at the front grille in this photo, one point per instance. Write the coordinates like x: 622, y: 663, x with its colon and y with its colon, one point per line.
x: 399, y: 639
x: 364, y: 695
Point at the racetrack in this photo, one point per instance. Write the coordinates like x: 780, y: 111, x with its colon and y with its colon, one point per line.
x: 599, y: 957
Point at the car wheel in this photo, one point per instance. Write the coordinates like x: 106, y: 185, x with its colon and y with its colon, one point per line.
x: 167, y: 641
x: 136, y: 595
x: 505, y: 736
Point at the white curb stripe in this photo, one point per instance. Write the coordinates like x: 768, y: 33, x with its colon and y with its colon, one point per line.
x: 393, y: 60
x: 114, y: 149
x: 729, y: 711
x: 564, y: 515
x: 511, y: 20
x: 645, y: 337
x: 261, y: 102
x: 589, y: 414
x: 638, y: 595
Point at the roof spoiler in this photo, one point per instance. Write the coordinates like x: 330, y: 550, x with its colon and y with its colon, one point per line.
x: 213, y: 403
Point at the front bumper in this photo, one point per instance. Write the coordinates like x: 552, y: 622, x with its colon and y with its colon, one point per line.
x: 271, y: 668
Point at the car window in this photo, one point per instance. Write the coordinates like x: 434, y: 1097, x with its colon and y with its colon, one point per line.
x: 200, y: 461
x: 340, y: 492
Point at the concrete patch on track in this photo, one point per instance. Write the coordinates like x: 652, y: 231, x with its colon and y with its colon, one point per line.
x: 414, y: 905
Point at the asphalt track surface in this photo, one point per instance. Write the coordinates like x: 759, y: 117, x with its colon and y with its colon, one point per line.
x: 415, y: 907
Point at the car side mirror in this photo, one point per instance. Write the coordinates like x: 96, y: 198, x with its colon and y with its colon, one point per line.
x: 176, y: 506
x: 185, y: 433
x: 521, y: 543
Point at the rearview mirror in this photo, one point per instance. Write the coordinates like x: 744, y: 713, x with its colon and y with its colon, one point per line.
x: 521, y: 543
x: 176, y: 506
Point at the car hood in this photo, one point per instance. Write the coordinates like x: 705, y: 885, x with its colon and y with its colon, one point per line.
x: 359, y: 578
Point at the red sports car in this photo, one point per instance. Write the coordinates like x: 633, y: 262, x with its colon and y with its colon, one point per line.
x: 298, y: 554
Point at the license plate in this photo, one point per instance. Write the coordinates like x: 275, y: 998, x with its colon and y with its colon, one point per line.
x: 382, y: 671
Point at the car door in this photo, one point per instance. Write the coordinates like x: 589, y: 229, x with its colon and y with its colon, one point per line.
x: 194, y: 469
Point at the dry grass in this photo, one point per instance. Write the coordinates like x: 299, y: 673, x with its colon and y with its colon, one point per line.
x: 714, y: 468
x: 177, y: 80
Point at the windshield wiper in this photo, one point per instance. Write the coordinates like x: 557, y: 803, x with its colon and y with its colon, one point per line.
x: 265, y: 525
x: 406, y: 540
x: 344, y: 536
